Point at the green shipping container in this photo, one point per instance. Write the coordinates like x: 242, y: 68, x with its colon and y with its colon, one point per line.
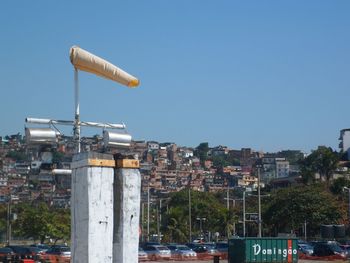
x: 260, y: 250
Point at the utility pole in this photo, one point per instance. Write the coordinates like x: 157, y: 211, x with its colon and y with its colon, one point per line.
x: 244, y: 234
x: 160, y: 210
x: 158, y: 229
x: 9, y: 221
x: 201, y: 219
x: 228, y: 208
x: 189, y: 212
x: 259, y: 203
x: 148, y: 213
x: 228, y: 197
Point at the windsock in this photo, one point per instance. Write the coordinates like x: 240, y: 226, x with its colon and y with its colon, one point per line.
x: 85, y: 61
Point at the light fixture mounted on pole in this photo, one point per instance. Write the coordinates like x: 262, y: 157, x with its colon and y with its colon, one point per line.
x: 85, y: 61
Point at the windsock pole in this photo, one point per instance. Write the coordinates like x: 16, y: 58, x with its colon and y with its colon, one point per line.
x: 77, y: 111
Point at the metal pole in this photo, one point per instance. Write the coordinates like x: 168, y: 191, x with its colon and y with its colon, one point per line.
x: 349, y: 204
x: 244, y: 234
x: 160, y: 210
x: 158, y: 230
x: 228, y: 208
x: 160, y: 218
x: 228, y: 197
x: 148, y: 213
x: 9, y: 222
x: 77, y: 112
x: 189, y: 212
x: 234, y: 223
x: 259, y: 203
x: 305, y: 233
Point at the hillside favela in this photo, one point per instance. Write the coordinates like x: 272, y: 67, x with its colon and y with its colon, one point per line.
x: 193, y: 199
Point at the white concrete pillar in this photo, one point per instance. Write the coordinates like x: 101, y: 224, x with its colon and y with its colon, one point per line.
x: 92, y: 208
x: 127, y: 192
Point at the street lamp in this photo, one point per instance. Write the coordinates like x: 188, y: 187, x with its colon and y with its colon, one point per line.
x: 259, y: 201
x: 348, y: 189
x: 200, y: 219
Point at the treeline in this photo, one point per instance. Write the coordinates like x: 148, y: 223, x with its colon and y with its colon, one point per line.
x: 36, y: 221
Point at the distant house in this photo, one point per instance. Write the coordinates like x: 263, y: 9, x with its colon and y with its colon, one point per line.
x: 208, y: 164
x: 186, y: 152
x: 152, y: 145
x: 282, y: 168
x: 344, y: 144
x: 3, y: 181
x: 219, y: 151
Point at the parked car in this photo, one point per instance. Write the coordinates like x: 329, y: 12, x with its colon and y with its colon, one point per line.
x: 6, y: 254
x: 61, y: 250
x: 37, y: 253
x: 58, y: 253
x: 306, y: 248
x: 204, y: 248
x: 142, y: 255
x: 42, y: 247
x: 328, y: 248
x: 150, y: 244
x: 155, y: 252
x: 345, y: 248
x: 21, y: 252
x: 222, y: 247
x: 182, y: 252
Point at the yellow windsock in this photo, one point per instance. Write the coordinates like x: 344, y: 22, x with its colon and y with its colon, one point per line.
x: 84, y: 60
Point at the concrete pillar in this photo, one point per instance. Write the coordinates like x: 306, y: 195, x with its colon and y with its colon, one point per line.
x: 92, y: 208
x: 127, y: 191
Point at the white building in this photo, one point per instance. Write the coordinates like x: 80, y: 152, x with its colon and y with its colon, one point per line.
x: 151, y: 145
x: 344, y: 138
x: 282, y: 168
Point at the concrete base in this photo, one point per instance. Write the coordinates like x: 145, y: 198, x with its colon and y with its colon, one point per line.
x: 92, y: 208
x: 127, y: 187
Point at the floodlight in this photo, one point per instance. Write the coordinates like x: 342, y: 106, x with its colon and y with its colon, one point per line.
x: 114, y: 139
x: 41, y: 136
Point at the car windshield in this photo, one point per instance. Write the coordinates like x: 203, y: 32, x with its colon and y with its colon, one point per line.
x: 183, y: 248
x: 305, y: 246
x: 209, y: 246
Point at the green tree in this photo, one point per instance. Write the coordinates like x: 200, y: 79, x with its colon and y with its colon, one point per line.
x: 220, y: 161
x: 32, y: 222
x: 39, y: 222
x: 202, y: 151
x: 57, y: 157
x: 203, y: 205
x: 323, y: 161
x: 290, y: 207
x: 338, y: 184
x: 3, y: 216
x: 17, y: 155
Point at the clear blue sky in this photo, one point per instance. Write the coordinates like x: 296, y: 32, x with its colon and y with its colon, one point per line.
x: 269, y: 75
